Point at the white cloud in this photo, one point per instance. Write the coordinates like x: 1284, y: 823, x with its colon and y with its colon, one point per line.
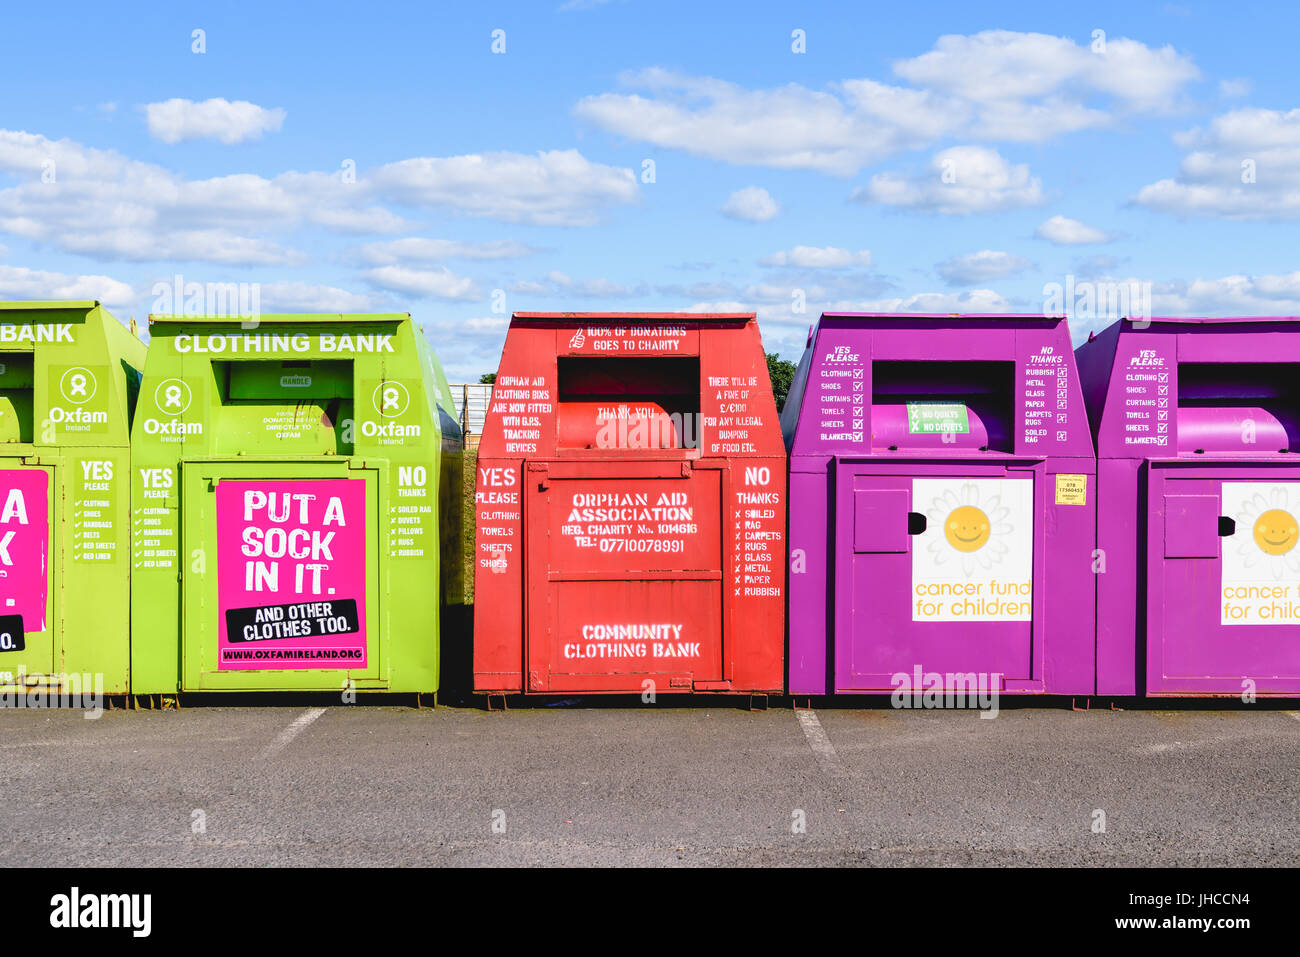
x: 719, y: 289
x: 1245, y: 165
x: 962, y: 179
x: 1092, y: 267
x: 17, y: 282
x: 982, y: 266
x: 1239, y: 295
x: 467, y: 348
x: 1276, y: 294
x: 779, y: 312
x: 1004, y: 67
x: 790, y: 127
x: 727, y: 306
x: 306, y: 297
x: 814, y: 286
x: 104, y: 205
x: 972, y: 301
x: 557, y: 283
x: 198, y: 245
x: 488, y: 323
x: 995, y: 85
x: 420, y: 249
x: 437, y: 282
x: 1019, y: 122
x: 1235, y: 88
x: 1063, y: 231
x: 818, y: 257
x: 556, y: 188
x: 4, y: 250
x: 176, y: 120
x: 786, y: 331
x: 753, y: 203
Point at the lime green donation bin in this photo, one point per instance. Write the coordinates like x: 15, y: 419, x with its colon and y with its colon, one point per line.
x: 69, y: 377
x: 287, y: 504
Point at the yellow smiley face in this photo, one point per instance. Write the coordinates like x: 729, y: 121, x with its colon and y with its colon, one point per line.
x: 1276, y: 532
x: 967, y: 528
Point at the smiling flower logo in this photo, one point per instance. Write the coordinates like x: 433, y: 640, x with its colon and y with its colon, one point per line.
x: 967, y: 528
x: 1274, y: 532
x: 974, y: 530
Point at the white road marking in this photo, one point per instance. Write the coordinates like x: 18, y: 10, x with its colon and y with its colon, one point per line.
x: 1292, y: 714
x: 288, y: 734
x: 819, y: 742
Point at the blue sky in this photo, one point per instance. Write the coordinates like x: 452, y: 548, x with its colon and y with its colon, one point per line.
x: 934, y: 157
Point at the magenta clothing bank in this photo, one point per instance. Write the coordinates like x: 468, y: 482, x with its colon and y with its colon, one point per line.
x: 1198, y: 426
x: 942, y: 507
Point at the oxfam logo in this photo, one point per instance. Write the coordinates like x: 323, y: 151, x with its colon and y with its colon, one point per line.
x: 390, y: 399
x: 173, y: 397
x: 78, y: 385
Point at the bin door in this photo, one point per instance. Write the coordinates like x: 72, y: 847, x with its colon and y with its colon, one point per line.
x: 1223, y: 580
x: 624, y: 570
x: 29, y: 573
x: 280, y: 570
x: 937, y: 572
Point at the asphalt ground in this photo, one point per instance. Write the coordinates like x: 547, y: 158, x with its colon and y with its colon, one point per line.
x: 616, y: 783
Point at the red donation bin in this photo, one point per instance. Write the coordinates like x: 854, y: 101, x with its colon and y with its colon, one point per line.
x: 630, y: 505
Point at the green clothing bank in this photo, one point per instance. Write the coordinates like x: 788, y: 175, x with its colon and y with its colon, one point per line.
x: 69, y: 377
x: 295, y: 506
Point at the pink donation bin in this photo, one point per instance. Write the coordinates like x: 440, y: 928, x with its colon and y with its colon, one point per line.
x: 1197, y: 424
x: 942, y: 507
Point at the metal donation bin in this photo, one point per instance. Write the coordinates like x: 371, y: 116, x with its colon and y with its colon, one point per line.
x: 69, y: 376
x: 288, y: 484
x: 630, y: 504
x: 942, y: 507
x: 1198, y: 425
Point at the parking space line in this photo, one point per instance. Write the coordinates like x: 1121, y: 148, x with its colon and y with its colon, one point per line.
x: 819, y: 742
x: 288, y: 734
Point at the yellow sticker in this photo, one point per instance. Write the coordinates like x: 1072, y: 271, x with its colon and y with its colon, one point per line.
x: 1071, y: 489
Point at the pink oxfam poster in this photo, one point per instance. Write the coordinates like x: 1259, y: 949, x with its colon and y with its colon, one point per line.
x: 24, y: 555
x: 291, y: 574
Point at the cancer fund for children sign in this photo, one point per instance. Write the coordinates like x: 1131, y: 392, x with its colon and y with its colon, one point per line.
x: 291, y: 574
x: 1261, y: 561
x: 24, y: 554
x: 975, y: 559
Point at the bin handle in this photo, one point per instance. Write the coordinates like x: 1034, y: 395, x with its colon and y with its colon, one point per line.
x: 1227, y: 526
x: 916, y: 523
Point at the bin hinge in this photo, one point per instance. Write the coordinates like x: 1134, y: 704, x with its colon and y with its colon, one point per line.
x: 357, y: 464
x: 686, y: 470
x: 542, y: 473
x: 31, y: 460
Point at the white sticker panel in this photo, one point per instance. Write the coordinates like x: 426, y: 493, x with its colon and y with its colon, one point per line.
x: 975, y: 559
